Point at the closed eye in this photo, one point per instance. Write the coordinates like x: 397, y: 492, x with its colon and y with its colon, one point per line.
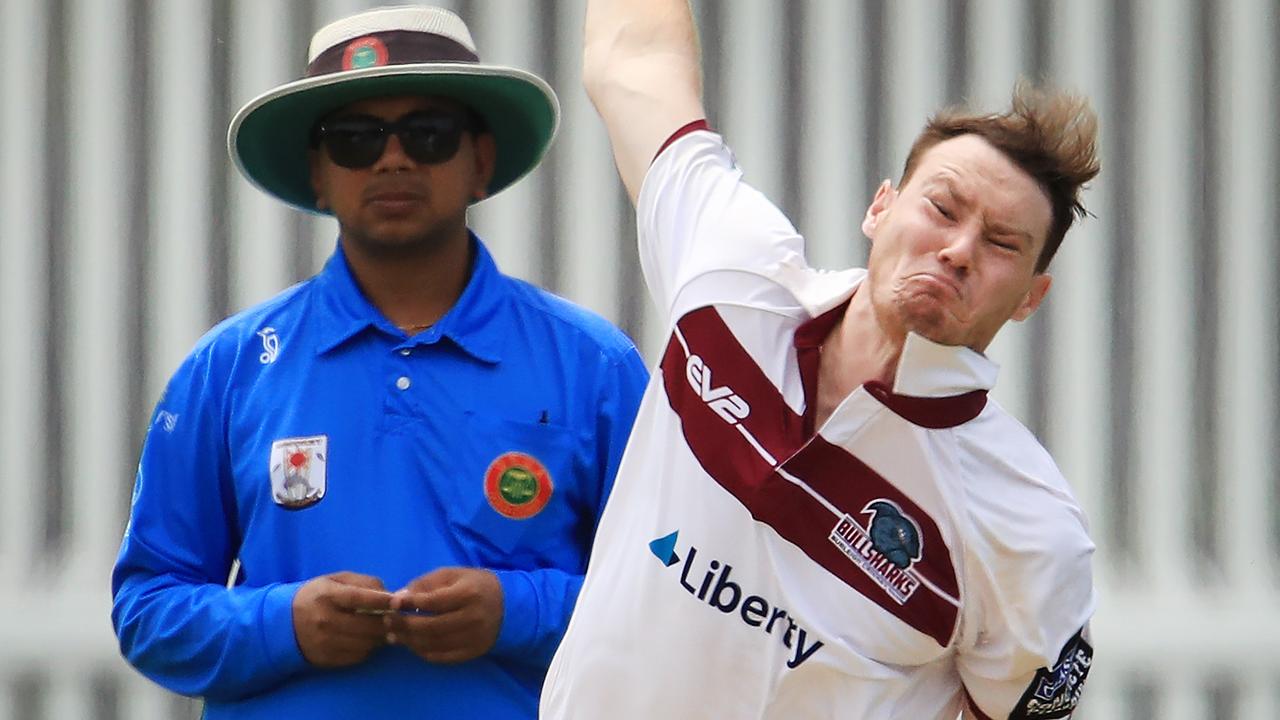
x: 942, y: 209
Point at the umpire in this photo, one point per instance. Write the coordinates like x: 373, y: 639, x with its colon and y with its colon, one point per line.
x: 407, y: 453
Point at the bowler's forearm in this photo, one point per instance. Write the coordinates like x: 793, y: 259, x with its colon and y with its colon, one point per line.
x: 642, y: 71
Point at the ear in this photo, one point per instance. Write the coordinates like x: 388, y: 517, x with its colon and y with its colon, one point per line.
x: 885, y: 195
x: 317, y: 185
x: 486, y: 156
x: 1040, y: 283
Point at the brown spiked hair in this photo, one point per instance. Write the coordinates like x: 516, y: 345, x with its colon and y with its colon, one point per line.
x: 1051, y: 135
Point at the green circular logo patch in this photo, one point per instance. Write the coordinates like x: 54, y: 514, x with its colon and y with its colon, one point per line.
x: 364, y: 57
x: 518, y: 486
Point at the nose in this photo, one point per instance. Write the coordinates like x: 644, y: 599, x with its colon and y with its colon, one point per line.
x: 393, y: 158
x: 958, y: 249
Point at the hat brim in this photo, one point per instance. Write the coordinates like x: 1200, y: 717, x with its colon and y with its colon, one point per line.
x: 268, y: 139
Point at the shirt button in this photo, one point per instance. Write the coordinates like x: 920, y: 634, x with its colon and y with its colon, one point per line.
x: 406, y: 352
x: 403, y: 383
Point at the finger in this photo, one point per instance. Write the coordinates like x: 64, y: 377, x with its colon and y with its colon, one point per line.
x: 425, y: 646
x: 351, y: 625
x: 442, y: 599
x: 438, y: 578
x: 356, y: 599
x: 415, y: 603
x: 430, y: 626
x: 347, y: 577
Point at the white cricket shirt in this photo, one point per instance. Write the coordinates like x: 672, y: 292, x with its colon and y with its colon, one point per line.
x: 921, y: 554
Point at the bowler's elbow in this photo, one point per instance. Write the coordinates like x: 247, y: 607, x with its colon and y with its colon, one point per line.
x: 596, y: 71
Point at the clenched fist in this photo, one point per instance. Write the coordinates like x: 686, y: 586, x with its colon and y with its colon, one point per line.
x: 450, y: 615
x: 336, y: 618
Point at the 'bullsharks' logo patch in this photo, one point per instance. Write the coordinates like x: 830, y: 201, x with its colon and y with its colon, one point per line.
x: 298, y: 471
x: 885, y: 549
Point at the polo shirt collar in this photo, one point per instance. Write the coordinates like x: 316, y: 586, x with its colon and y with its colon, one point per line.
x: 925, y: 369
x: 928, y: 369
x: 475, y: 323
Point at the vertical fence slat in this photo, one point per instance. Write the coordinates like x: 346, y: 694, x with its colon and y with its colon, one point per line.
x: 751, y: 43
x: 511, y: 223
x: 833, y: 209
x: 23, y: 227
x: 94, y: 367
x: 590, y: 220
x: 1163, y: 245
x: 1248, y: 281
x: 179, y: 183
x: 1078, y: 305
x: 259, y: 224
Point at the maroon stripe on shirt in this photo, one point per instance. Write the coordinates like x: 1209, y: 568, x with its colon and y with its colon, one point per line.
x: 683, y: 130
x: 706, y: 390
x: 936, y: 413
x: 808, y: 341
x: 772, y: 422
x: 847, y: 482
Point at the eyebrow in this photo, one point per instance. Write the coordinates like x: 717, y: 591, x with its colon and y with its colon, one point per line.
x: 992, y: 228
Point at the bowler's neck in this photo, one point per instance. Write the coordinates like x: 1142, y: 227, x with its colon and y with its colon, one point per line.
x: 858, y: 350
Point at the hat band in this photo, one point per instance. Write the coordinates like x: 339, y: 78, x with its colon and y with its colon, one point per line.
x: 393, y: 47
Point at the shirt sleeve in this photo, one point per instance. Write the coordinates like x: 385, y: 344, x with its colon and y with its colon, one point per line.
x: 537, y: 603
x: 1025, y: 651
x: 697, y: 215
x: 175, y: 619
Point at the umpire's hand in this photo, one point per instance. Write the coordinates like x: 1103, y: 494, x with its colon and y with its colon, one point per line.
x: 449, y: 615
x: 336, y: 618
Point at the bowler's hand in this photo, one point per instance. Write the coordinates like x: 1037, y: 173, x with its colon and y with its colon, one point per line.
x: 336, y: 618
x: 447, y: 616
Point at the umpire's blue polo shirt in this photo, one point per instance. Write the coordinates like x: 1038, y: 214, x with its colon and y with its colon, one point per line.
x: 309, y: 435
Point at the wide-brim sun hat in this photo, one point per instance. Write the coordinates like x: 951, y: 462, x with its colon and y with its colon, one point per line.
x: 389, y: 51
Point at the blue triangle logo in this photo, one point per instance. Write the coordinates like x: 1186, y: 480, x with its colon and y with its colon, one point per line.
x: 664, y: 548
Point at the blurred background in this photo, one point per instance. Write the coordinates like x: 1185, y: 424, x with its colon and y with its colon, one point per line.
x: 1151, y: 373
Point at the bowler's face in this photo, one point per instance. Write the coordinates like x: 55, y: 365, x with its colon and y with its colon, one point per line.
x: 953, y: 251
x: 397, y: 203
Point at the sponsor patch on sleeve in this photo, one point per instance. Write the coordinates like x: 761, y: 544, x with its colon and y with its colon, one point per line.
x: 1055, y: 691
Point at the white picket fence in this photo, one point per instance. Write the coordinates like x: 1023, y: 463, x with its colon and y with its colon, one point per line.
x: 1152, y: 373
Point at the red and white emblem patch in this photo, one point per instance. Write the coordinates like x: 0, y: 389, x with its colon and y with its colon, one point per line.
x: 517, y: 485
x: 365, y: 52
x: 298, y: 471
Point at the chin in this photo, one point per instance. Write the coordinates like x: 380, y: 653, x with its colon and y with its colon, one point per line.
x: 925, y: 317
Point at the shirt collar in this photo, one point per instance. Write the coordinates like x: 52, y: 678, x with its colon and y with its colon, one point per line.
x: 474, y: 323
x: 927, y: 369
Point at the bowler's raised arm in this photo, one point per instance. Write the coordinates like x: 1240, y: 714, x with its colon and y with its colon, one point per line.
x: 641, y: 69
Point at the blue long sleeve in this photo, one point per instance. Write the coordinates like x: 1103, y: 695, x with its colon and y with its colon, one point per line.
x: 176, y: 620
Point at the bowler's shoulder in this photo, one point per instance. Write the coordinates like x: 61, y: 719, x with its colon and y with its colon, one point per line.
x: 568, y: 322
x: 1014, y: 491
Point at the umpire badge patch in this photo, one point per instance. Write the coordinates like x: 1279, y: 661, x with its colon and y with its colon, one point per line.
x: 1055, y: 691
x: 298, y: 471
x: 517, y: 485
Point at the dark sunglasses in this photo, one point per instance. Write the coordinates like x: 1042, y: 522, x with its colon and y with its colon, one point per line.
x: 357, y: 141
